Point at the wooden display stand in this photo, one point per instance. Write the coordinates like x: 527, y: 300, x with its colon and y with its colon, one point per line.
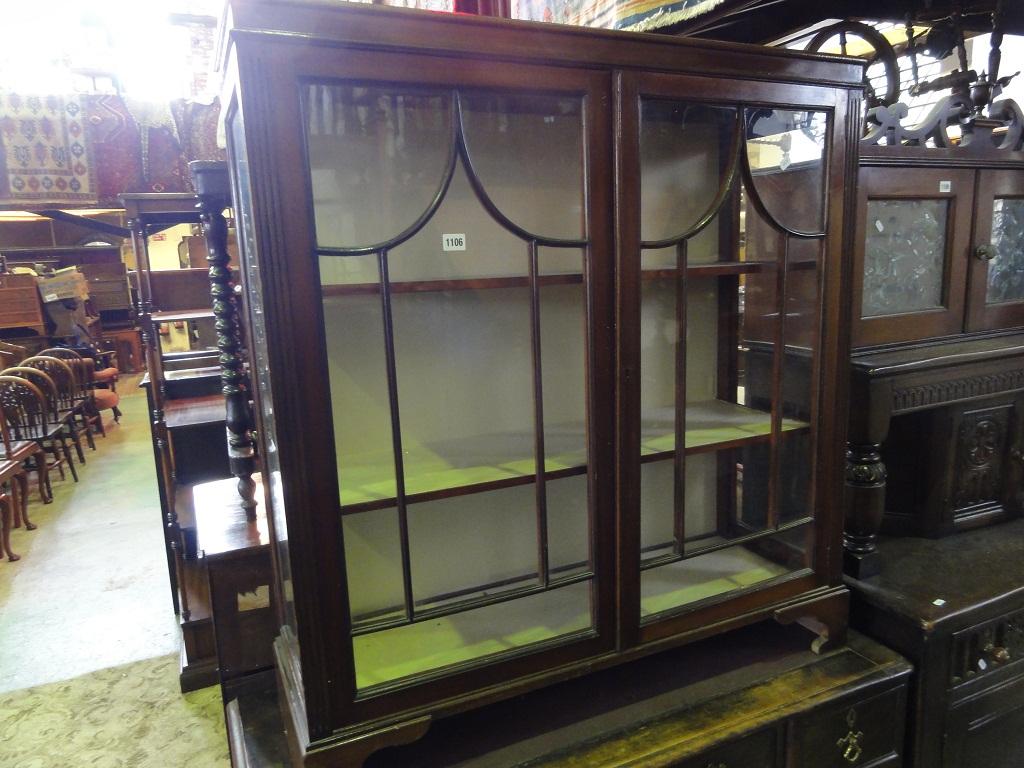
x: 187, y: 427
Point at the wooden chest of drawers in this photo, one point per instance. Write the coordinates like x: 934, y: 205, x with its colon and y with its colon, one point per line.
x: 756, y: 698
x: 955, y: 608
x: 19, y: 303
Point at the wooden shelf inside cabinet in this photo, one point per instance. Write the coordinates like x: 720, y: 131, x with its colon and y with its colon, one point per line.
x: 710, y: 425
x: 193, y: 411
x: 180, y: 314
x: 459, y: 468
x: 712, y: 269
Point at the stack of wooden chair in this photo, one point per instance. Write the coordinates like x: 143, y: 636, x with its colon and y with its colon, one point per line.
x: 48, y: 403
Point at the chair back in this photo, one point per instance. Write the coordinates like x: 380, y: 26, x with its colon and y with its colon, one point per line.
x: 44, y: 385
x: 84, y: 368
x: 62, y: 353
x: 24, y: 408
x: 11, y: 354
x: 62, y: 375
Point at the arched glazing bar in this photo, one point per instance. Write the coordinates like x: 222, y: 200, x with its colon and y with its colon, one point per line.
x: 739, y: 168
x: 459, y: 151
x: 759, y: 205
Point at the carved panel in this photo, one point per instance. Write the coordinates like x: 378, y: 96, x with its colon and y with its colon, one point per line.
x: 924, y: 395
x: 980, y: 451
x: 1006, y: 269
x: 904, y: 255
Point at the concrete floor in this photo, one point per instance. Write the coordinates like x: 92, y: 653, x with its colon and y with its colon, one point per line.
x: 91, y: 589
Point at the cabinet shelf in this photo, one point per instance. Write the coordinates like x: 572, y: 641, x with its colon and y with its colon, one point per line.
x: 712, y: 269
x: 175, y: 315
x: 458, y: 468
x: 711, y: 425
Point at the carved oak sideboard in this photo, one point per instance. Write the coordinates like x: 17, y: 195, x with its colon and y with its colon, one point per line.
x: 955, y: 608
x: 955, y: 461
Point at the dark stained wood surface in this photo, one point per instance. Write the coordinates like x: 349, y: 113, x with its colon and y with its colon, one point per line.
x: 738, y: 689
x: 939, y: 355
x: 222, y: 531
x: 193, y: 411
x: 935, y: 582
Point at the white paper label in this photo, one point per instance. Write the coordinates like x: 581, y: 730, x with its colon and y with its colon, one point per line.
x: 453, y: 242
x: 945, y: 186
x: 50, y: 297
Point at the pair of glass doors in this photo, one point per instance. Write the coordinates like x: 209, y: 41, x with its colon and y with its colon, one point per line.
x: 549, y: 446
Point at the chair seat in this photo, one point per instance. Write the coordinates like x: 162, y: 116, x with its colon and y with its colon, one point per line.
x: 106, y: 375
x: 20, y: 450
x: 9, y: 469
x: 106, y: 398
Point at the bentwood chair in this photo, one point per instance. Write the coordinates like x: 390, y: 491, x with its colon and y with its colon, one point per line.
x: 7, y: 504
x: 98, y: 386
x: 28, y: 457
x: 71, y: 407
x: 29, y: 402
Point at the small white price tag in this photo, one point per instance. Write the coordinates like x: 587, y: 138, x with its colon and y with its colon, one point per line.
x: 453, y: 242
x: 50, y: 297
x: 945, y: 186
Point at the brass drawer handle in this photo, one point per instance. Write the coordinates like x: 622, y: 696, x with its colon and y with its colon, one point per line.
x: 996, y: 654
x: 850, y: 743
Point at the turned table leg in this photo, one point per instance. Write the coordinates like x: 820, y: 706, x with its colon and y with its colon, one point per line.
x: 865, y: 505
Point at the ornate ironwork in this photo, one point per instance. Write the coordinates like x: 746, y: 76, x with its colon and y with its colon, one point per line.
x: 213, y: 192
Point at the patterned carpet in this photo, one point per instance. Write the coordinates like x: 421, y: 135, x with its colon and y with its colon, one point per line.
x: 88, y: 640
x: 131, y: 716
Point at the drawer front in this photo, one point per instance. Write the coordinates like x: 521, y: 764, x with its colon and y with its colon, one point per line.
x: 985, y: 648
x: 758, y: 750
x: 862, y: 732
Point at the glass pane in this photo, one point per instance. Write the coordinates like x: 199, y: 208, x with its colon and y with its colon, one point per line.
x: 354, y: 336
x: 786, y: 151
x: 465, y: 386
x: 527, y: 151
x: 260, y: 366
x: 377, y: 158
x: 684, y: 149
x: 802, y: 324
x: 568, y: 527
x: 404, y: 651
x: 471, y: 546
x: 904, y: 256
x: 717, y: 573
x: 373, y: 565
x: 1006, y: 270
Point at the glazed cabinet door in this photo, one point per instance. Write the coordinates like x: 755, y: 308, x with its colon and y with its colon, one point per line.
x: 996, y: 297
x: 911, y: 253
x: 722, y: 255
x: 457, y: 223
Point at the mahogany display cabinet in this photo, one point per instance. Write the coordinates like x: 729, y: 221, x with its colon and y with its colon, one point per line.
x: 546, y: 325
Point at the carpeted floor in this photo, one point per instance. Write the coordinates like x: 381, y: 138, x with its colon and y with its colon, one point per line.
x: 132, y: 716
x: 88, y: 639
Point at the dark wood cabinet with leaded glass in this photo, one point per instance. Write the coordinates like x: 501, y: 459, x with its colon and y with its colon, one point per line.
x: 936, y: 428
x: 546, y: 325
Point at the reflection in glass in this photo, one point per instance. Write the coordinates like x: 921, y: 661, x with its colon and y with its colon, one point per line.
x: 904, y: 256
x: 527, y: 151
x: 376, y: 159
x: 454, y: 366
x: 730, y: 569
x: 682, y: 147
x: 260, y: 366
x: 786, y: 150
x: 1006, y: 269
